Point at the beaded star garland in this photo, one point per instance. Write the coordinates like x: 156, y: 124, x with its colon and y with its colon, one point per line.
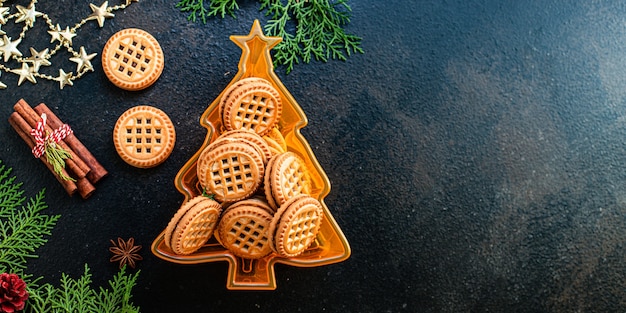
x: 31, y: 65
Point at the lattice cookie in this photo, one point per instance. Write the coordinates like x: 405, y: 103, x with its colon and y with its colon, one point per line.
x: 193, y: 225
x: 132, y: 59
x: 295, y: 225
x: 244, y: 229
x: 230, y: 171
x: 144, y: 136
x: 252, y: 104
x: 286, y: 177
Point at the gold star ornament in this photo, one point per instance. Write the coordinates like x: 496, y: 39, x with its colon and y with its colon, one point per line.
x: 27, y: 15
x: 83, y: 60
x: 251, y: 41
x: 38, y: 58
x: 9, y: 48
x: 4, y: 11
x: 64, y: 78
x: 25, y: 73
x: 100, y: 13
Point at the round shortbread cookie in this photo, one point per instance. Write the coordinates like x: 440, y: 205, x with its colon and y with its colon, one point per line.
x: 132, y: 59
x: 253, y: 106
x: 275, y: 139
x: 243, y: 230
x: 256, y: 201
x: 235, y: 85
x: 253, y: 138
x: 289, y: 177
x: 275, y: 148
x: 201, y: 165
x: 267, y: 184
x: 144, y: 136
x: 179, y: 214
x: 193, y: 225
x: 295, y: 226
x: 232, y: 171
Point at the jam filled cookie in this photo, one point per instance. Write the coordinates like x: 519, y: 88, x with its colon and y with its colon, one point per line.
x: 144, y: 136
x: 132, y: 59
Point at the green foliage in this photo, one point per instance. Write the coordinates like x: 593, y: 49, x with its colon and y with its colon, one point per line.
x: 10, y: 193
x: 23, y: 229
x: 195, y: 8
x: 309, y: 28
x: 76, y: 295
x: 56, y: 156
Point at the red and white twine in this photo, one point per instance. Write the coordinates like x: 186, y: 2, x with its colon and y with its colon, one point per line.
x: 41, y: 141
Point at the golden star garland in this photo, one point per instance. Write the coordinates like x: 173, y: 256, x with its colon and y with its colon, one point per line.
x: 30, y: 66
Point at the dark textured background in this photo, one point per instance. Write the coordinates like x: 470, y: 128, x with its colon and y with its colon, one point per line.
x: 476, y: 153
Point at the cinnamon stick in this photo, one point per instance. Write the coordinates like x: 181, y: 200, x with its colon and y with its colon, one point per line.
x: 85, y: 188
x: 74, y: 164
x: 22, y: 128
x: 97, y: 170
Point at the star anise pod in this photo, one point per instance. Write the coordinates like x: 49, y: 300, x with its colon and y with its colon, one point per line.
x: 125, y: 252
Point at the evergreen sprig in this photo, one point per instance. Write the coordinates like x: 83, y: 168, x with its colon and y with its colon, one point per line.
x: 10, y: 193
x: 23, y: 229
x: 77, y: 295
x: 195, y: 8
x: 309, y: 28
x: 56, y: 156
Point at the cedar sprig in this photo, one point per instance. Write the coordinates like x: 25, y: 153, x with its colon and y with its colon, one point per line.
x: 118, y: 297
x: 195, y: 8
x: 222, y: 8
x: 56, y: 156
x: 310, y: 29
x: 22, y: 230
x: 10, y: 192
x: 77, y: 295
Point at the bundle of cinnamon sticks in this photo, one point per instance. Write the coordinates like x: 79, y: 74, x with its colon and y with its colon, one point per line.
x: 82, y: 166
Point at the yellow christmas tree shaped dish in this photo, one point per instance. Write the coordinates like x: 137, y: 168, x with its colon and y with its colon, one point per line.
x: 329, y: 247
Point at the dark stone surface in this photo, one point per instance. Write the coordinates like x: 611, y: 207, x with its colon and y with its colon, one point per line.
x: 475, y: 152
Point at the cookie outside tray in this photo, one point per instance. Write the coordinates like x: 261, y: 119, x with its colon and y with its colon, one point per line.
x: 144, y: 136
x: 132, y: 59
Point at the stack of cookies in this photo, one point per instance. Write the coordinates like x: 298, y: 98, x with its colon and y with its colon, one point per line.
x: 261, y: 192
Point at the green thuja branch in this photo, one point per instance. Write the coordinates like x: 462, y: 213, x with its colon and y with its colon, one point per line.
x: 56, y: 156
x: 10, y: 193
x: 311, y: 29
x: 222, y: 8
x: 117, y: 299
x: 77, y: 295
x: 195, y: 8
x: 23, y: 229
x: 74, y: 295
